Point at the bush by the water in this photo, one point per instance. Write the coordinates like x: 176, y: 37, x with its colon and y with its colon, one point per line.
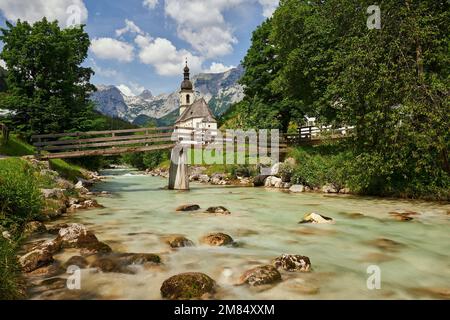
x: 367, y: 173
x: 10, y: 287
x: 20, y: 197
x: 146, y: 160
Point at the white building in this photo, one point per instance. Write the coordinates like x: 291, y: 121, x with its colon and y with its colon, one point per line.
x: 193, y: 114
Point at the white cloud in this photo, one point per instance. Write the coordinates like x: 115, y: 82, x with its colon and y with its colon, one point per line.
x: 132, y: 89
x: 218, y: 68
x: 65, y: 11
x: 151, y: 4
x: 130, y: 26
x: 104, y: 72
x: 201, y: 23
x: 165, y: 57
x: 3, y: 64
x: 108, y: 48
x: 269, y: 7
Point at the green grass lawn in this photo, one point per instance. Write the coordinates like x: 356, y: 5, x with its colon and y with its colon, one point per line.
x: 16, y: 147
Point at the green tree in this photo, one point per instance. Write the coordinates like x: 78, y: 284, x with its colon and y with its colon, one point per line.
x: 47, y: 87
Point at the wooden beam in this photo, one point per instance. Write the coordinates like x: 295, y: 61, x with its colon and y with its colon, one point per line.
x: 101, y: 139
x: 105, y: 144
x: 93, y: 133
x: 105, y: 152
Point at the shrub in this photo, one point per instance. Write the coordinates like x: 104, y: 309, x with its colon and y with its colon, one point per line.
x: 153, y: 159
x: 20, y: 197
x: 10, y: 284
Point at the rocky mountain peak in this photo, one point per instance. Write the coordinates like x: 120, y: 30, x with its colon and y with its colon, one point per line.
x: 146, y: 94
x: 220, y: 90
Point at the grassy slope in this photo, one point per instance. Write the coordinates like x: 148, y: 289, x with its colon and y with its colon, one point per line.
x: 17, y: 148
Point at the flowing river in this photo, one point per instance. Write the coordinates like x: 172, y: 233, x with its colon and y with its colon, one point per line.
x: 264, y: 223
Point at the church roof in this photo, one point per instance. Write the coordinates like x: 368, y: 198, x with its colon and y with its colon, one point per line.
x: 199, y: 109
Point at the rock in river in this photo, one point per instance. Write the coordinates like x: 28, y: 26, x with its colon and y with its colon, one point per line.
x: 140, y: 258
x: 218, y: 210
x: 179, y: 242
x: 77, y: 236
x: 316, y: 218
x: 188, y: 207
x: 217, y: 239
x: 291, y: 262
x: 297, y: 188
x: 35, y: 259
x: 259, y: 181
x: 78, y: 261
x: 187, y: 286
x: 260, y: 275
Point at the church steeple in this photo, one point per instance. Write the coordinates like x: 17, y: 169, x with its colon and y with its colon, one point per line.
x: 187, y: 92
x: 186, y: 71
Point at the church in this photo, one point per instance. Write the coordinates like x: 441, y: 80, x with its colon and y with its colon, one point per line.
x: 193, y: 114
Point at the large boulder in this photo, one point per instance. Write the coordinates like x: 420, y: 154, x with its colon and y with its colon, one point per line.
x: 291, y: 262
x: 273, y: 181
x: 52, y: 246
x: 259, y: 180
x: 188, y: 207
x: 187, y: 286
x: 95, y: 248
x: 76, y: 235
x: 54, y: 229
x: 179, y: 242
x: 218, y: 179
x: 297, y: 188
x: 204, y: 178
x: 316, y: 218
x: 260, y: 275
x: 35, y: 259
x: 329, y: 189
x: 218, y: 210
x: 217, y: 239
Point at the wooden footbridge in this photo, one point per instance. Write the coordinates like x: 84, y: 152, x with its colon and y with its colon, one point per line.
x: 117, y: 142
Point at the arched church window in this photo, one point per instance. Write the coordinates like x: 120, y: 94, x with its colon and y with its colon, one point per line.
x: 188, y: 99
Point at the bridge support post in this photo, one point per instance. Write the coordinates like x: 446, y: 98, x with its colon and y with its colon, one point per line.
x: 178, y: 172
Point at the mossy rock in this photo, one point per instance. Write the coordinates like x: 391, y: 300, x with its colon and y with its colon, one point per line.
x: 217, y: 239
x: 189, y: 285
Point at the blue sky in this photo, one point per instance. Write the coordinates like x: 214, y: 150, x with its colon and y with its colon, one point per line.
x: 139, y: 44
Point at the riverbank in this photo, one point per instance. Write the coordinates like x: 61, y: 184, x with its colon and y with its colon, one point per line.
x: 329, y: 169
x: 32, y: 194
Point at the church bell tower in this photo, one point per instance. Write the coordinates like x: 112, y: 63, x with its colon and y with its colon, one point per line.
x: 187, y: 91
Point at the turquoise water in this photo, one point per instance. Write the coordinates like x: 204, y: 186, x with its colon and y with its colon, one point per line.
x: 265, y: 224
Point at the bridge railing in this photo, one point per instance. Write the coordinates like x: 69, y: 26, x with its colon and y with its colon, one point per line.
x: 111, y: 142
x: 315, y: 134
x: 115, y: 142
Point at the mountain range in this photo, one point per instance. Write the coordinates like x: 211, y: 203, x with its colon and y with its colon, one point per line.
x: 220, y: 90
